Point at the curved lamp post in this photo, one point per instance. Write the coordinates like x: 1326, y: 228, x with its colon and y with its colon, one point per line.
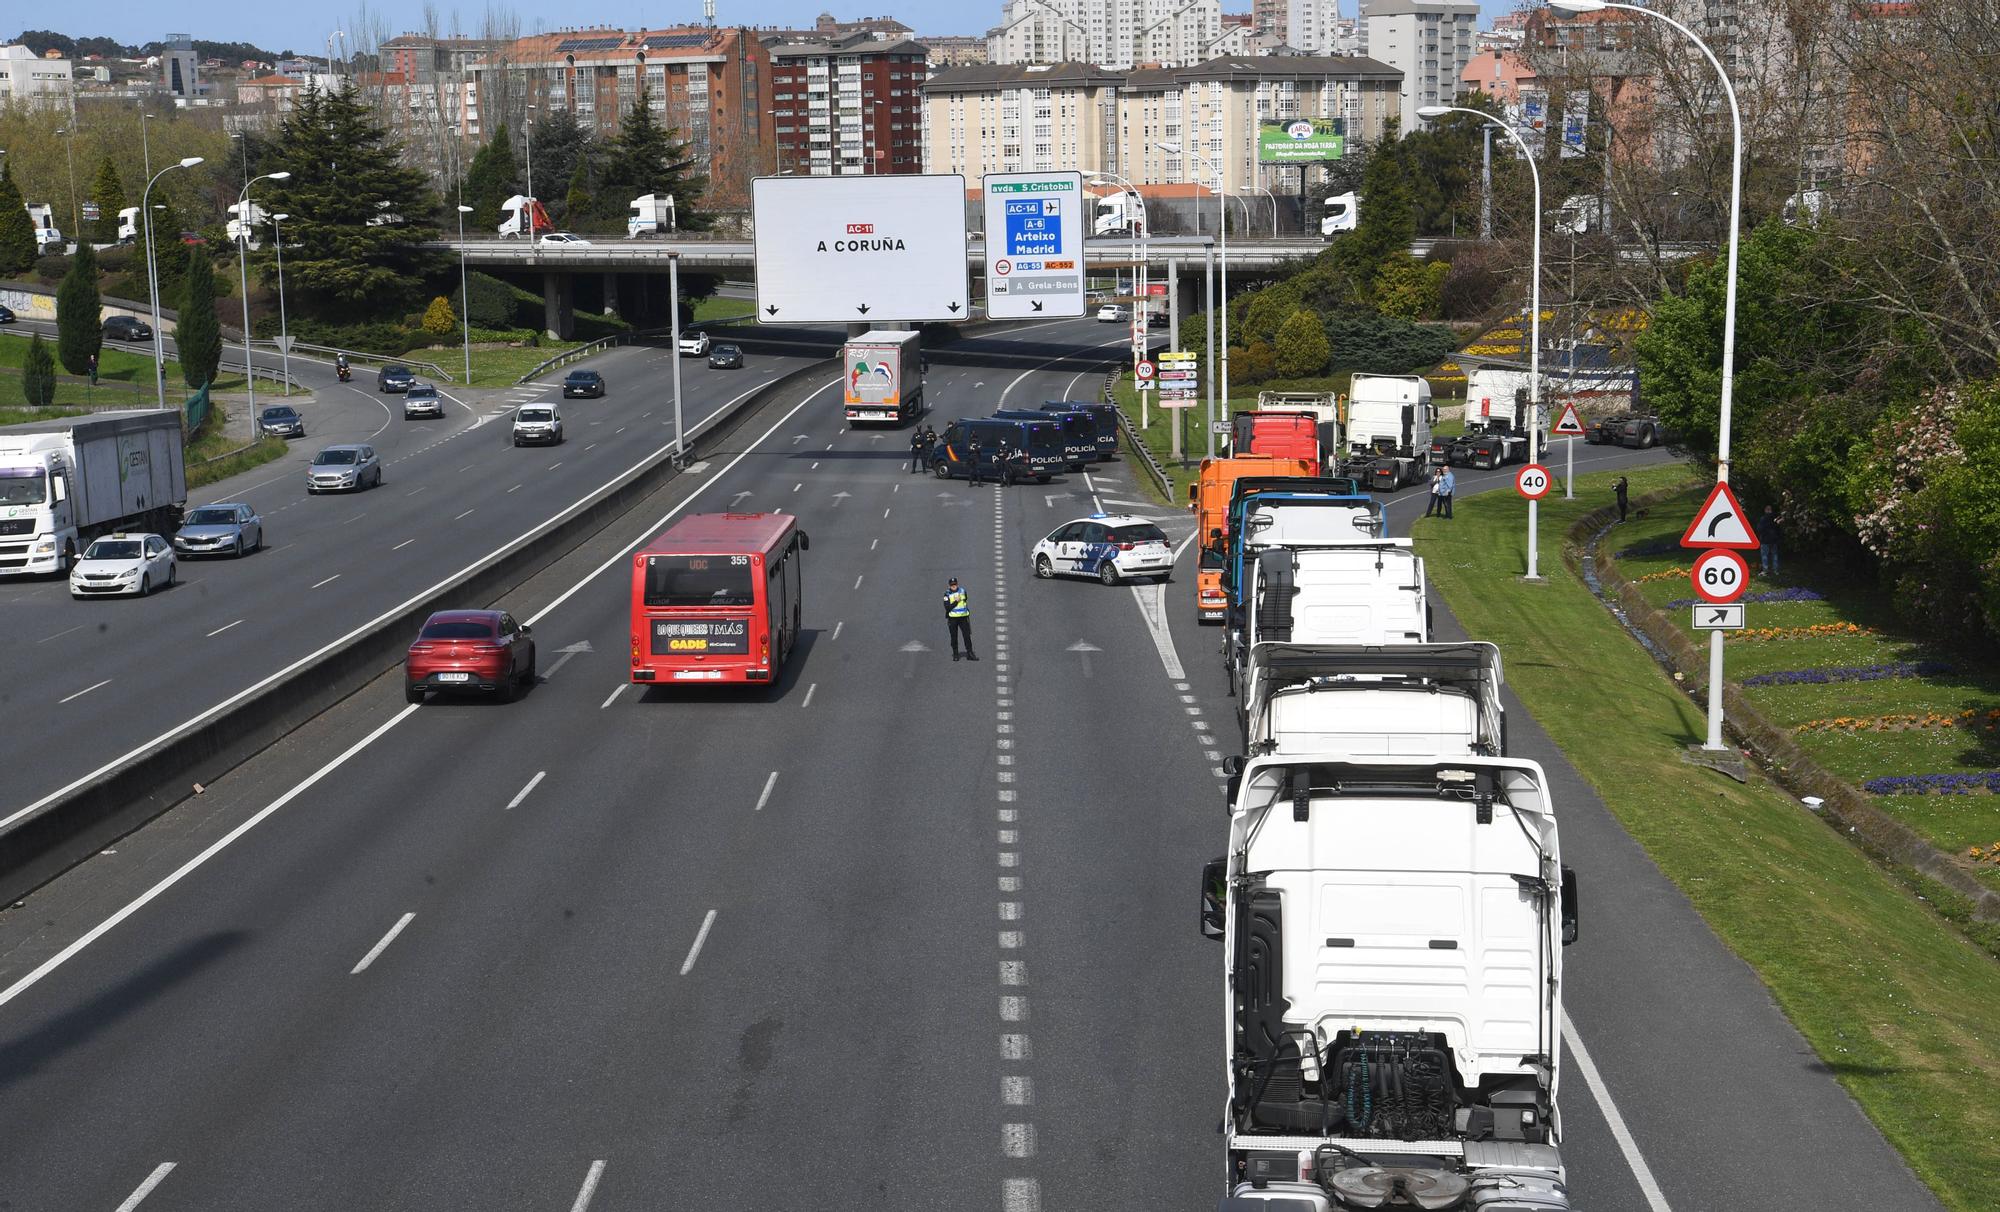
x: 243, y: 272
x: 153, y: 278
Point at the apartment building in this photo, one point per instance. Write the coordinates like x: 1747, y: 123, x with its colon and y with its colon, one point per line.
x: 1429, y: 41
x: 853, y: 107
x: 439, y: 76
x: 1118, y: 34
x: 956, y: 50
x: 30, y: 79
x: 993, y: 118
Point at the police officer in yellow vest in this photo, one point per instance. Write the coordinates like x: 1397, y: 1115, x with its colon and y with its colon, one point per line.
x: 958, y: 619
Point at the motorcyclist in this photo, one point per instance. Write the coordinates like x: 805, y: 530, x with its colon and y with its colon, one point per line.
x: 340, y: 366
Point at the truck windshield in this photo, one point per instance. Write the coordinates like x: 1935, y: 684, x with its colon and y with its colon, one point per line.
x: 699, y: 580
x: 23, y: 486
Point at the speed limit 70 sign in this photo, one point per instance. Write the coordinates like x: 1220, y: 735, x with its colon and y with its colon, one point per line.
x: 1532, y: 481
x: 1720, y: 575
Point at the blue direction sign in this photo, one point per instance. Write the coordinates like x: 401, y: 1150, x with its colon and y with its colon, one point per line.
x: 1034, y: 244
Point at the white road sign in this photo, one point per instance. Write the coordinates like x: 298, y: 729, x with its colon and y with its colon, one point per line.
x: 860, y: 249
x: 1034, y: 244
x: 1719, y: 616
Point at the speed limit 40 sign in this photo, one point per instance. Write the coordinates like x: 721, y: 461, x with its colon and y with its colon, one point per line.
x: 1720, y: 575
x: 1532, y: 481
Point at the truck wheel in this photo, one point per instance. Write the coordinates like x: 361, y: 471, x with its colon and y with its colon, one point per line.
x: 1647, y: 437
x: 1043, y: 568
x: 1107, y: 572
x: 66, y: 563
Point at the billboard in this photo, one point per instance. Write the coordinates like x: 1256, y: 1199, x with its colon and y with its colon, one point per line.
x: 1301, y: 140
x: 1576, y: 125
x: 860, y: 249
x: 1034, y: 244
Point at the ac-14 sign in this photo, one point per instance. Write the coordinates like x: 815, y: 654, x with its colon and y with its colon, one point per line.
x: 1034, y: 244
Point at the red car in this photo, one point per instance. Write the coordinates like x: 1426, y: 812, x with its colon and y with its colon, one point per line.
x: 470, y: 650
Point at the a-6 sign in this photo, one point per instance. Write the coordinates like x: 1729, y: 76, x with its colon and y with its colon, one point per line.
x: 1720, y: 575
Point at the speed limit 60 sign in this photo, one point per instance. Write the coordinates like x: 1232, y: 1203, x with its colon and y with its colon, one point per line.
x: 1532, y: 481
x: 1720, y: 575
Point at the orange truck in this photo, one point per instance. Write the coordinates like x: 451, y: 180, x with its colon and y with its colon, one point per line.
x: 1209, y: 497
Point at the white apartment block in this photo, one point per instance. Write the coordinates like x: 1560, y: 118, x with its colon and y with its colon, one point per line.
x: 1118, y: 34
x: 994, y: 118
x: 1429, y: 41
x: 32, y: 80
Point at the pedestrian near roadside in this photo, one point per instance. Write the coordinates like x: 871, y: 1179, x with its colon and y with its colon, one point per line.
x: 1437, y: 493
x: 917, y: 451
x: 1769, y: 532
x: 972, y: 458
x: 958, y: 619
x: 1620, y: 489
x: 1447, y: 485
x: 93, y: 370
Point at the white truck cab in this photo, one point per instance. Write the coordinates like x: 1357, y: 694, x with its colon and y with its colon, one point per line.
x: 1349, y: 593
x: 1389, y: 419
x: 1376, y: 700
x: 1392, y: 933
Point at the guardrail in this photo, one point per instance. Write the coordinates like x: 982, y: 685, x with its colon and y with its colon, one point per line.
x: 72, y: 825
x: 1147, y: 462
x: 330, y: 351
x: 580, y: 351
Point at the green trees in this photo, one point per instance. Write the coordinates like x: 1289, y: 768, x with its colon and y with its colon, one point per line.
x: 648, y: 158
x: 1301, y: 346
x: 561, y: 145
x: 79, y: 329
x: 17, y: 230
x: 576, y: 205
x: 1388, y: 223
x: 197, y: 334
x: 109, y: 194
x: 438, y: 318
x: 38, y: 374
x: 491, y: 179
x: 342, y: 250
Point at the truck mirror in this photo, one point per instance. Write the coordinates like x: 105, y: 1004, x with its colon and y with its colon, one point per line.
x: 805, y: 541
x: 1569, y: 926
x: 1233, y: 765
x: 1214, y: 895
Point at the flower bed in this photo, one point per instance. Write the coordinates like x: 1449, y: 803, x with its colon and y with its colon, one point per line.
x: 1791, y: 593
x: 1850, y: 673
x: 1815, y: 631
x: 1904, y: 721
x: 1948, y: 783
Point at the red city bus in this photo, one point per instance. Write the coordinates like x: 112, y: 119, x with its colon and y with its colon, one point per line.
x: 716, y: 599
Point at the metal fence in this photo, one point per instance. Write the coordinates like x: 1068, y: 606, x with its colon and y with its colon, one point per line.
x: 357, y: 355
x: 1140, y: 452
x: 198, y: 408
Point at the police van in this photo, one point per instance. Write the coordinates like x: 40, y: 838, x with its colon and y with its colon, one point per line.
x: 1079, y: 432
x: 1040, y: 437
x: 1104, y: 419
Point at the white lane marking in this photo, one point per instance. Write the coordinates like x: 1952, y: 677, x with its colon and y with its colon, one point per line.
x: 647, y: 537
x: 885, y: 512
x: 589, y: 448
x: 382, y: 946
x: 522, y: 794
x: 1013, y: 972
x: 613, y: 696
x: 1015, y: 1047
x: 403, y: 544
x: 1017, y: 1091
x: 415, y: 491
x: 809, y: 695
x: 158, y: 1176
x: 1010, y: 911
x: 104, y: 927
x: 857, y: 580
x: 871, y: 547
x: 1641, y: 1172
x: 463, y: 516
x: 86, y: 690
x: 515, y: 488
x: 556, y: 464
x: 765, y: 797
x: 1014, y: 1009
x: 1020, y: 1195
x: 60, y: 634
x: 1011, y: 940
x: 796, y: 487
x: 330, y: 580
x: 218, y: 631
x: 590, y: 1182
x: 694, y: 952
x: 1017, y: 1140
x: 1051, y: 362
x: 837, y: 626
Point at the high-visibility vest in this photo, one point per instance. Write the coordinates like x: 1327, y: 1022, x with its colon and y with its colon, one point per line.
x: 956, y: 606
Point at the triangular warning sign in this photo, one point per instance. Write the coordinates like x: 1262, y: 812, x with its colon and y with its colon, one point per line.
x: 1568, y: 425
x: 1721, y: 523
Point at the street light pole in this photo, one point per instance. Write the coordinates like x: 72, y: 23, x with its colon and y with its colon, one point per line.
x: 153, y: 277
x: 1534, y: 315
x: 1222, y: 218
x: 464, y: 294
x: 243, y: 270
x: 674, y: 302
x: 284, y: 330
x: 69, y: 145
x: 1728, y: 308
x: 1142, y: 235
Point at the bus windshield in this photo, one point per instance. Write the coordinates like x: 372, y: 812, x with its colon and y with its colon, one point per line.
x: 700, y: 580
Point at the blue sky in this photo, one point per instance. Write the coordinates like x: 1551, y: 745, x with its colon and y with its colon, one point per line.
x: 303, y: 27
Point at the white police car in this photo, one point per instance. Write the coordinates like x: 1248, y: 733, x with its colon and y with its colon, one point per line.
x: 1108, y: 546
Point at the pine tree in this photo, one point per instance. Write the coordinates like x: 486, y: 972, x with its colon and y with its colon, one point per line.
x: 198, y: 335
x: 169, y: 254
x: 38, y: 373
x: 343, y: 162
x: 491, y: 179
x: 559, y: 143
x: 648, y: 158
x: 1301, y: 347
x: 79, y: 324
x: 109, y: 194
x: 576, y: 206
x: 1388, y: 218
x: 438, y: 319
x: 17, y: 230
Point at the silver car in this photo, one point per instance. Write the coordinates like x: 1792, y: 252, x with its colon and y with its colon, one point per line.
x: 225, y: 528
x: 422, y: 400
x: 344, y: 467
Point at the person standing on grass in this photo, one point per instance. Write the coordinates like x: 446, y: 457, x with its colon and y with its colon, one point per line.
x: 1447, y: 485
x: 1437, y: 496
x: 1768, y: 535
x: 1619, y: 490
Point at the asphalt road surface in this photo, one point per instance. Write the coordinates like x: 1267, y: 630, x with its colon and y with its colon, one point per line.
x: 897, y: 933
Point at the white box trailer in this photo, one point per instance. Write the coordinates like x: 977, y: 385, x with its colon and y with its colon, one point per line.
x: 67, y: 480
x: 1377, y: 700
x: 1351, y: 593
x: 884, y: 379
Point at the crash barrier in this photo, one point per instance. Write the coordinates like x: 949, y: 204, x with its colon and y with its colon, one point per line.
x: 358, y: 355
x: 1841, y: 803
x: 1154, y: 471
x: 69, y: 826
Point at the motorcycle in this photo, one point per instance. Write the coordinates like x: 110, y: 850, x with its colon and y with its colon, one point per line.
x: 344, y: 373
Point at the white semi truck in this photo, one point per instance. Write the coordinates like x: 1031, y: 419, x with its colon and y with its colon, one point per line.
x: 1389, y: 419
x: 1347, y: 593
x: 524, y: 216
x: 1498, y: 422
x: 1392, y: 931
x: 65, y: 481
x: 48, y: 237
x: 1377, y: 700
x: 884, y: 379
x: 1343, y: 213
x: 652, y: 214
x: 1118, y: 214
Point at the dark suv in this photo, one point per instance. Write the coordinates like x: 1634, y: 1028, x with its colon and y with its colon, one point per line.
x: 127, y: 328
x: 583, y: 383
x: 394, y: 377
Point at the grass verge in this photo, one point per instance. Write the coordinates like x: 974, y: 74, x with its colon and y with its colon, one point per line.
x: 1903, y: 1010
x: 258, y: 454
x: 716, y: 309
x: 20, y: 416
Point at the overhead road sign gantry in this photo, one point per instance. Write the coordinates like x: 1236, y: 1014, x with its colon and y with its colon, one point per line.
x: 866, y: 250
x: 1034, y: 244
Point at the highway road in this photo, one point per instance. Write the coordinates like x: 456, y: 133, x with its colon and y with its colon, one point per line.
x: 898, y: 933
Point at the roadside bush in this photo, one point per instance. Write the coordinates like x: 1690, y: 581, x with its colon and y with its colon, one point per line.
x: 1471, y: 289
x: 50, y: 270
x: 1301, y: 348
x: 1409, y: 289
x: 495, y: 304
x: 376, y: 337
x: 38, y: 374
x: 1253, y: 364
x: 1375, y: 344
x: 1266, y: 311
x: 438, y: 318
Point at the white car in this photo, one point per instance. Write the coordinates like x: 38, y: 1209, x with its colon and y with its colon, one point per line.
x: 563, y: 239
x: 537, y: 424
x: 133, y: 564
x: 1108, y: 546
x: 694, y: 345
x: 1111, y: 313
